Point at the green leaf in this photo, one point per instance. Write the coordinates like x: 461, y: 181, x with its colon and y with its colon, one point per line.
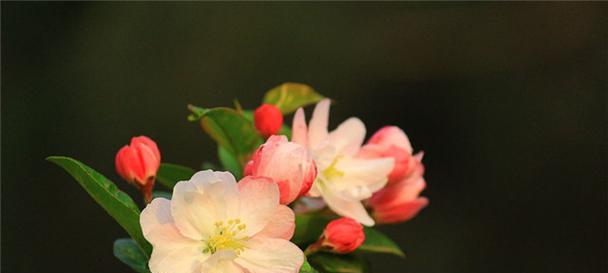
x: 169, y: 174
x: 229, y: 128
x: 336, y: 263
x: 229, y: 162
x: 127, y: 251
x: 115, y: 202
x: 162, y: 194
x: 307, y: 268
x: 309, y: 227
x: 376, y: 241
x: 288, y: 97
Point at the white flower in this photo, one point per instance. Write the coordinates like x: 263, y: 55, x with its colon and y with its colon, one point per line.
x: 343, y: 180
x: 213, y: 224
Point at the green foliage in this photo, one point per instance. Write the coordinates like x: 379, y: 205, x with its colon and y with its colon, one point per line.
x: 306, y: 267
x: 169, y: 174
x: 127, y: 251
x: 162, y: 194
x: 376, y: 241
x: 288, y: 97
x: 115, y: 202
x: 309, y: 228
x: 229, y: 162
x: 336, y: 263
x: 229, y: 128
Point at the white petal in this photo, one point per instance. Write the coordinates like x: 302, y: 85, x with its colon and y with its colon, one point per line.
x: 259, y: 202
x: 371, y: 174
x: 222, y: 262
x: 348, y: 137
x: 172, y: 252
x: 345, y: 206
x: 185, y: 259
x: 299, y: 131
x: 207, y: 198
x: 317, y: 128
x: 267, y: 255
x: 282, y: 224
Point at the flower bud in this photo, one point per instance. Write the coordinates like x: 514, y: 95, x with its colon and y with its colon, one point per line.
x: 268, y: 119
x: 343, y: 235
x: 138, y: 163
x: 400, y: 201
x: 390, y: 141
x: 287, y: 163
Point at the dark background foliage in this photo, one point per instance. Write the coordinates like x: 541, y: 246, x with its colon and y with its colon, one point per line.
x: 508, y: 100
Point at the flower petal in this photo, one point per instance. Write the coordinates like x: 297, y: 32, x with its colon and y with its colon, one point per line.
x: 222, y: 262
x: 282, y: 224
x: 362, y: 177
x: 299, y: 131
x: 259, y: 202
x: 348, y: 137
x: 172, y: 251
x: 344, y: 205
x: 317, y: 128
x: 268, y: 255
x: 207, y: 198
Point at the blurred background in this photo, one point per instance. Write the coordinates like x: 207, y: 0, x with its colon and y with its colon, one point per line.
x: 508, y: 101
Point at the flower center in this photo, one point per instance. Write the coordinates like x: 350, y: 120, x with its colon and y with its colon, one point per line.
x: 332, y: 171
x: 226, y: 237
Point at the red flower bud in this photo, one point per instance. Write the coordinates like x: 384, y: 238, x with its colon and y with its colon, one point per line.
x: 343, y: 235
x: 268, y: 119
x: 138, y: 163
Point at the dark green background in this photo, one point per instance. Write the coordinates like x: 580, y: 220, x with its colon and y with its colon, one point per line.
x: 508, y: 100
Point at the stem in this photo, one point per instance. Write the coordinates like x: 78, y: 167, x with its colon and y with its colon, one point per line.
x: 146, y: 190
x: 311, y: 249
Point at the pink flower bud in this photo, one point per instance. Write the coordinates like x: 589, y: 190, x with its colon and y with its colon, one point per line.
x: 390, y: 141
x: 343, y: 235
x: 138, y: 162
x: 400, y: 201
x: 268, y: 119
x: 289, y: 164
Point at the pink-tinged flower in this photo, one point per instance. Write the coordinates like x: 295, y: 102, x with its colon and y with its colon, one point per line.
x: 400, y: 201
x: 390, y: 141
x: 213, y: 224
x: 138, y: 163
x: 343, y: 179
x: 268, y: 119
x: 289, y: 164
x: 343, y: 235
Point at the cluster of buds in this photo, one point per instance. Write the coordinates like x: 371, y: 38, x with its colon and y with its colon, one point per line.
x: 399, y: 200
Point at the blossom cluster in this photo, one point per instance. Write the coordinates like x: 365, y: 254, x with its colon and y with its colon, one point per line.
x: 245, y: 220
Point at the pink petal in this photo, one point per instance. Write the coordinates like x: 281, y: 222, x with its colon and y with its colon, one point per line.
x: 259, y: 202
x: 282, y: 224
x: 269, y: 255
x: 317, y: 130
x: 299, y: 132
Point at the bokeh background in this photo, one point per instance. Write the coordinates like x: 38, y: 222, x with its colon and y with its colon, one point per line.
x: 508, y: 101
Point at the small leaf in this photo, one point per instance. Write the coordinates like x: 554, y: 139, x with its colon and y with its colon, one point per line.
x: 169, y: 174
x: 307, y: 268
x: 162, y: 194
x: 115, y: 202
x: 376, y: 241
x: 288, y: 97
x: 336, y: 263
x: 309, y: 227
x: 127, y: 251
x: 229, y: 162
x: 229, y: 128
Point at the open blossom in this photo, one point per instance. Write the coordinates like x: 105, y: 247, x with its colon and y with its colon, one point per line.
x: 213, y: 224
x: 343, y: 179
x: 268, y: 119
x: 289, y: 164
x: 343, y: 235
x: 400, y: 201
x: 390, y: 141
